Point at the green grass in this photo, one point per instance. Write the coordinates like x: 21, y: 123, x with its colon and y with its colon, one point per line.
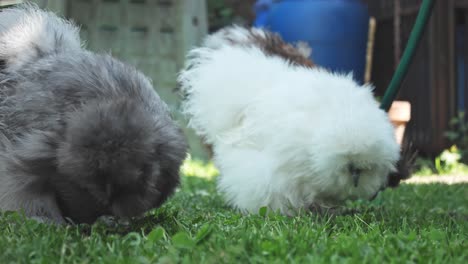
x: 411, y: 224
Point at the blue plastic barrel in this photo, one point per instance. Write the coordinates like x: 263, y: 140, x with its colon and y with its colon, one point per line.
x: 336, y: 30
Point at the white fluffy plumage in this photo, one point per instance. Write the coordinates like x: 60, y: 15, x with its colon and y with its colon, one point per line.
x: 284, y: 135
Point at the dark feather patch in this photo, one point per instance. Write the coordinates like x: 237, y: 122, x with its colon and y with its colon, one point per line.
x: 404, y: 166
x: 272, y: 44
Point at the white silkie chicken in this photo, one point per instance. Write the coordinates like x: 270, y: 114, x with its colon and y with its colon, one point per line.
x: 286, y: 134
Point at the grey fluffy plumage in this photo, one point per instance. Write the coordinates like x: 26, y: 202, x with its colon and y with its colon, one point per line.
x: 82, y: 134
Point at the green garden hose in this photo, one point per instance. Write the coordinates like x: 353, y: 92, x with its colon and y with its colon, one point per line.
x: 410, y: 50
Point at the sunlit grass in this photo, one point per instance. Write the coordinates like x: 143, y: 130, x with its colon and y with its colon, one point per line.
x: 198, y: 168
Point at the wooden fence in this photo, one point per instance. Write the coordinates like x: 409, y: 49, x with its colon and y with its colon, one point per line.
x: 436, y: 84
x: 153, y: 35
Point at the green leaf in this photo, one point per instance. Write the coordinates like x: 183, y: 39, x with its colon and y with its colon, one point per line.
x: 451, y: 135
x: 454, y: 121
x: 226, y: 12
x: 268, y: 246
x: 436, y: 234
x: 133, y: 239
x: 263, y: 211
x: 438, y: 165
x: 183, y: 240
x: 156, y: 234
x: 204, y: 231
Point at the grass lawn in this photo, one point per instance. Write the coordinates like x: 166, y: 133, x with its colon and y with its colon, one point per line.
x: 425, y: 223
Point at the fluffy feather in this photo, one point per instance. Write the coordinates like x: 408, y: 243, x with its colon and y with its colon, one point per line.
x: 82, y: 134
x: 286, y: 134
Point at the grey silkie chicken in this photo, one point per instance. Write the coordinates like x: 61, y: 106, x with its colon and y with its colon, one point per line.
x: 82, y: 135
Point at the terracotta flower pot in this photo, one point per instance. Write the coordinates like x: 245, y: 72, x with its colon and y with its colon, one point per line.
x: 400, y: 115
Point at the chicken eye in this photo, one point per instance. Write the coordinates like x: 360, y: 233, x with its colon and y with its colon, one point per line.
x: 353, y: 170
x: 355, y: 174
